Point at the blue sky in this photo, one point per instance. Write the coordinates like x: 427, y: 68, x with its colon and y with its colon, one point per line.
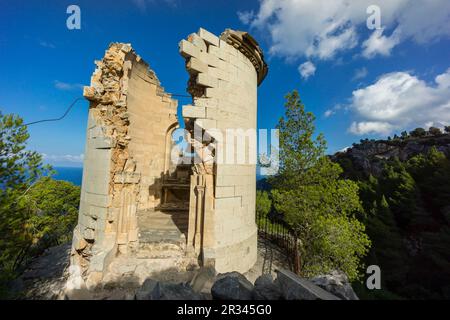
x: 358, y: 82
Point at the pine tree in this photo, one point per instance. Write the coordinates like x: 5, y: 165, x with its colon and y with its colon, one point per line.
x: 319, y: 206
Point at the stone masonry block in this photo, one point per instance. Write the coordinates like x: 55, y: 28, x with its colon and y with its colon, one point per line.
x: 102, y: 143
x: 197, y: 41
x: 206, y: 123
x: 194, y: 112
x: 97, y: 199
x: 208, y: 37
x: 225, y: 46
x: 127, y: 177
x: 187, y: 49
x: 206, y: 80
x: 97, y: 212
x: 228, y: 203
x: 90, y: 223
x: 214, y: 93
x: 219, y: 74
x: 219, y: 53
x: 209, y: 59
x: 211, y: 113
x: 196, y: 66
x: 207, y: 102
x: 224, y: 192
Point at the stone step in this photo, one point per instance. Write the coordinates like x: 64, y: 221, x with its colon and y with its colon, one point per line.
x: 174, y: 236
x: 159, y: 255
x: 161, y: 250
x: 162, y: 235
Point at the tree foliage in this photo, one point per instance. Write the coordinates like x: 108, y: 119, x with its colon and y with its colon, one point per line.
x: 263, y: 203
x: 418, y: 132
x: 434, y: 131
x: 408, y: 221
x: 36, y: 211
x: 320, y: 207
x: 299, y: 150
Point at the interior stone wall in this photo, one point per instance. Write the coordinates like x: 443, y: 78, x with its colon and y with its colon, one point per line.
x: 224, y: 75
x: 152, y: 115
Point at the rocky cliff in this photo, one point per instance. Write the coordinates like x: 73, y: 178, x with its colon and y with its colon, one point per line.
x: 368, y: 156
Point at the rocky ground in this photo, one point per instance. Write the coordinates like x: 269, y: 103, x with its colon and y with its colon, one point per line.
x: 46, y: 277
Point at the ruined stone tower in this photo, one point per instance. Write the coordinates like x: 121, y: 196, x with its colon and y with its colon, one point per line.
x: 141, y: 210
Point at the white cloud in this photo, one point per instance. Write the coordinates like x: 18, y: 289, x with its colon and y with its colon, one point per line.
x: 307, y: 69
x: 246, y: 16
x: 67, y: 86
x: 360, y: 74
x: 400, y: 100
x: 322, y: 28
x: 333, y: 110
x: 377, y: 43
x: 329, y: 113
x: 371, y: 127
x: 46, y: 44
x: 63, y: 158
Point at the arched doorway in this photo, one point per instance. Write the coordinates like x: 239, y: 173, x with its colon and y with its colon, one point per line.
x: 168, y: 221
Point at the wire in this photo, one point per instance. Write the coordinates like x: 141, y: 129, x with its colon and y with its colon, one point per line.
x: 56, y: 119
x: 182, y: 95
x: 80, y: 98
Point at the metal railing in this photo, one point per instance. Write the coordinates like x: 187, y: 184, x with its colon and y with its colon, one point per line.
x: 273, y: 228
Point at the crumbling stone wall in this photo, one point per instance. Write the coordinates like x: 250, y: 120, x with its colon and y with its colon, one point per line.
x: 224, y: 75
x: 128, y: 148
x: 129, y: 116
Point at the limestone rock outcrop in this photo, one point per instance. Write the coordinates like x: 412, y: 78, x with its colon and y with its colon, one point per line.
x: 369, y: 155
x: 337, y: 283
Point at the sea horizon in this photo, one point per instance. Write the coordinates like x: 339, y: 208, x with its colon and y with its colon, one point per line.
x: 70, y: 174
x: 75, y: 174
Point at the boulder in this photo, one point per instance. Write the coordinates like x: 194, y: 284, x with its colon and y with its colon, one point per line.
x: 295, y: 288
x: 154, y: 290
x: 336, y: 282
x: 266, y: 289
x: 232, y: 286
x: 175, y: 291
x: 145, y: 292
x: 203, y: 280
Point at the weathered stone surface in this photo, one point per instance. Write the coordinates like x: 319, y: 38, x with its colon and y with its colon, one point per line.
x: 147, y: 291
x: 295, y: 288
x: 266, y: 289
x: 232, y: 286
x: 154, y: 290
x: 46, y: 276
x: 180, y: 291
x: 203, y: 279
x: 336, y: 282
x: 78, y: 294
x: 227, y: 90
